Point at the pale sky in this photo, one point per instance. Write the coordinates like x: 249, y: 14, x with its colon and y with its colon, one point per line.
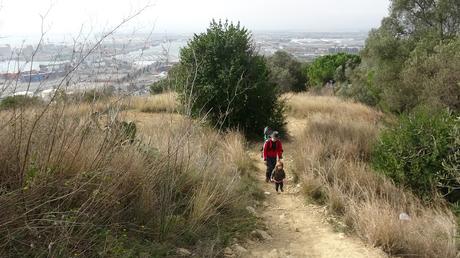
x: 67, y: 16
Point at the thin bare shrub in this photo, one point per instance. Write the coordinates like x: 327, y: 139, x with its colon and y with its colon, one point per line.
x: 331, y: 156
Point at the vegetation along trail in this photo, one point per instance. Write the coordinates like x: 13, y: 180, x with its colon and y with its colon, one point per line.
x: 297, y: 228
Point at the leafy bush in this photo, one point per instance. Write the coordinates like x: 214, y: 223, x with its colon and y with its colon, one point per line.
x: 363, y: 89
x: 286, y: 72
x: 433, y: 74
x: 166, y: 84
x: 12, y: 102
x: 416, y: 153
x: 158, y: 87
x: 221, y: 77
x: 331, y: 67
x: 97, y: 94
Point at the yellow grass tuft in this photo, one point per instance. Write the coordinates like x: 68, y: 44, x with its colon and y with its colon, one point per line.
x: 159, y: 103
x: 303, y: 105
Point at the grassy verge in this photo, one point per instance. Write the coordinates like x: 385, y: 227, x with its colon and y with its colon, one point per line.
x: 74, y: 184
x: 332, y: 156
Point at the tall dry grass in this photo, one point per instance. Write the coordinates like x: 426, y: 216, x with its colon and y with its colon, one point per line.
x: 332, y: 155
x: 72, y: 185
x: 303, y: 105
x: 165, y: 102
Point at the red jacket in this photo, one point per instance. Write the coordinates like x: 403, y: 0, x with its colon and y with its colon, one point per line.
x: 273, y: 149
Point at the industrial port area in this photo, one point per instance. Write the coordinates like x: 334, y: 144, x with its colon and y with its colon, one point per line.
x: 131, y: 63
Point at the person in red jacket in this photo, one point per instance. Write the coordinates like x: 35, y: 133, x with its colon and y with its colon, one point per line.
x: 273, y: 150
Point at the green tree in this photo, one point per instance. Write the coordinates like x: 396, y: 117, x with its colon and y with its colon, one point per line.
x: 363, y: 89
x: 286, y: 72
x: 221, y: 77
x: 422, y: 17
x: 397, y: 55
x: 332, y: 67
x: 433, y: 73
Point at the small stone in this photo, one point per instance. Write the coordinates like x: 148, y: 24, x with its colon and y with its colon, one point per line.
x: 250, y: 242
x: 273, y: 253
x: 183, y: 252
x: 239, y: 249
x: 265, y: 204
x: 404, y: 216
x: 262, y: 235
x: 251, y: 210
x: 267, y: 193
x: 228, y: 251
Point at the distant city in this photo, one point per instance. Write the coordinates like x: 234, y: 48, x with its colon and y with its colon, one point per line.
x: 131, y: 63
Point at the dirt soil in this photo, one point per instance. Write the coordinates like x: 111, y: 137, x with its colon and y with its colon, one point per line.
x: 298, y: 228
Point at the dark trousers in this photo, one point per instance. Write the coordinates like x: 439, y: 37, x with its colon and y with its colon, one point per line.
x: 271, y: 163
x: 280, y: 186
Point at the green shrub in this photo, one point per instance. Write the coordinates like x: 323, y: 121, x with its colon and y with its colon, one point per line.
x: 332, y: 67
x: 286, y: 72
x: 416, y: 153
x: 363, y: 89
x: 414, y: 57
x: 222, y: 78
x: 158, y: 87
x: 12, y: 102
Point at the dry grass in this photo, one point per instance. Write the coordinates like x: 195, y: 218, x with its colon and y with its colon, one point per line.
x: 331, y: 156
x: 72, y: 185
x: 165, y: 102
x: 303, y: 105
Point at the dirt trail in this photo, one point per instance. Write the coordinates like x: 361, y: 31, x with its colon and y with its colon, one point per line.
x: 299, y: 229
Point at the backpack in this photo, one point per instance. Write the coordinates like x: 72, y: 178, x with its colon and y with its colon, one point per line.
x: 267, y: 132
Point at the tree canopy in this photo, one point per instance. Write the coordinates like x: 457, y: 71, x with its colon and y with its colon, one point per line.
x: 286, y: 72
x: 221, y: 78
x: 412, y: 59
x: 331, y: 67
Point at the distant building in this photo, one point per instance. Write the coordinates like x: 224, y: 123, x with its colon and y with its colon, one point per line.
x: 5, y: 50
x: 348, y: 50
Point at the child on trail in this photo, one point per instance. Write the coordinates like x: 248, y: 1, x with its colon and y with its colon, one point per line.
x: 273, y: 150
x: 278, y: 176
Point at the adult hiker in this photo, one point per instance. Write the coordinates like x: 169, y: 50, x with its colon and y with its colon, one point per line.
x: 273, y: 150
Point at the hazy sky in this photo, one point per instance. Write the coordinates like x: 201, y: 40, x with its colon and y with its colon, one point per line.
x: 67, y: 16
